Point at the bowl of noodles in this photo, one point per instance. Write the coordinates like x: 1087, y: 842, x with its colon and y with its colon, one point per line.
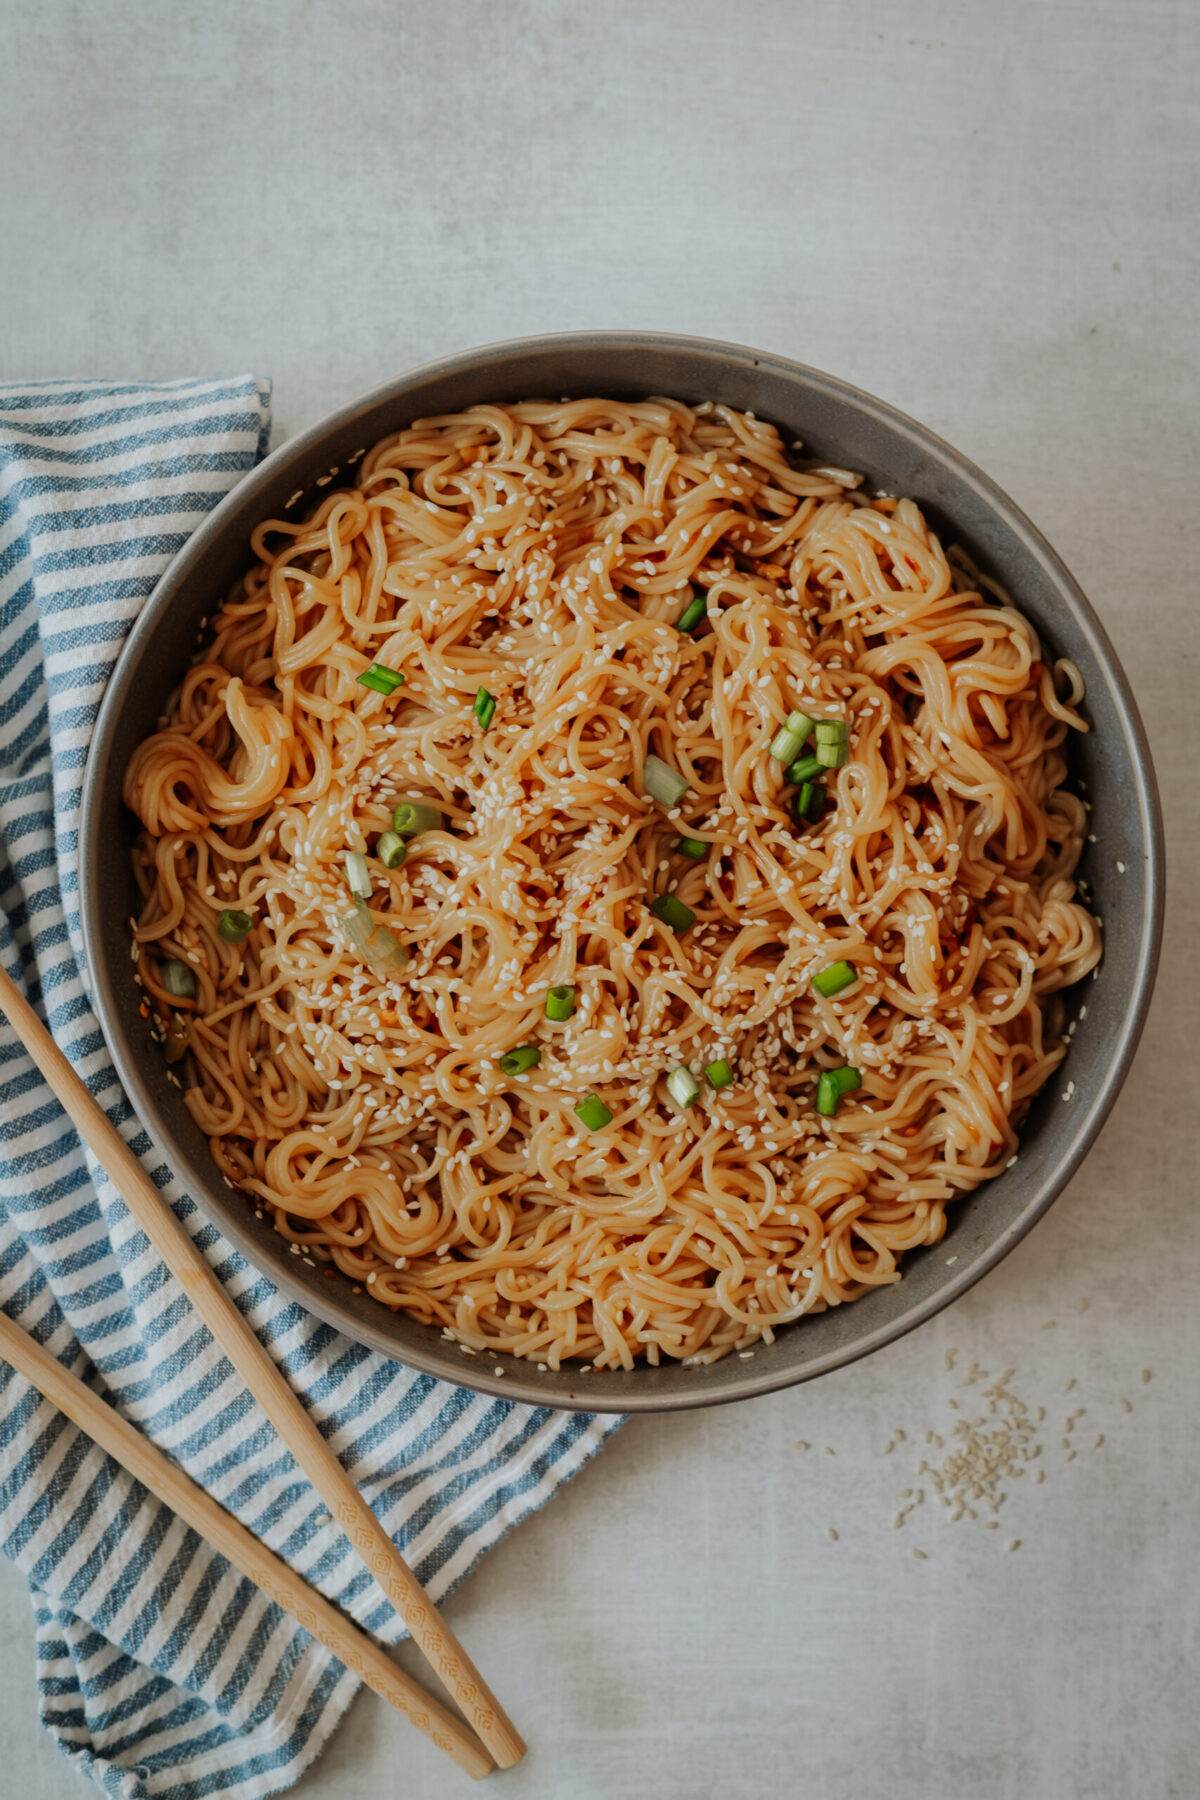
x: 621, y: 871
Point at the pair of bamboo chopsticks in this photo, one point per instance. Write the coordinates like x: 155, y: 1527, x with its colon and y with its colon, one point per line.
x: 490, y: 1725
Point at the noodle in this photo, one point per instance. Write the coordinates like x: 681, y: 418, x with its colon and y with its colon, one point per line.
x: 544, y: 552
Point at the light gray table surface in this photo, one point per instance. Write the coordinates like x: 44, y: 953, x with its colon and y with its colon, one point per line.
x: 987, y: 214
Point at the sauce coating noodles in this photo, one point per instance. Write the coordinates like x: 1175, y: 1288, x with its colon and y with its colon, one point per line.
x: 545, y: 553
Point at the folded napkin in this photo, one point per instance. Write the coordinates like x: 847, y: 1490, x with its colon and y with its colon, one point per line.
x: 160, y: 1670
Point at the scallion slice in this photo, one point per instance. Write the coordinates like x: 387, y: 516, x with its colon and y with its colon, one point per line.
x: 382, y: 679
x: 233, y: 925
x: 389, y: 950
x: 695, y: 610
x: 484, y: 707
x: 592, y: 1112
x: 373, y: 942
x: 683, y: 1088
x: 662, y: 782
x: 832, y: 1084
x: 358, y: 927
x: 718, y: 1074
x: 391, y: 849
x: 412, y: 817
x: 803, y: 769
x: 810, y: 802
x: 696, y: 848
x: 672, y: 911
x: 178, y: 1037
x: 517, y: 1062
x: 560, y: 1003
x: 832, y: 980
x: 831, y: 731
x: 358, y: 876
x: 179, y: 979
x: 833, y: 754
x: 789, y: 740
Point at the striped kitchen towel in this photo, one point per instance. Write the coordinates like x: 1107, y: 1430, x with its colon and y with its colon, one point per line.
x: 160, y: 1671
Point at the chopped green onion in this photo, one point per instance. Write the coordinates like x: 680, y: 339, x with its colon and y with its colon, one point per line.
x: 683, y: 1088
x: 392, y: 953
x: 789, y: 740
x: 672, y: 911
x: 358, y: 876
x: 516, y: 1062
x: 233, y: 925
x: 391, y: 849
x: 484, y: 707
x: 832, y: 1084
x: 695, y: 610
x: 696, y: 848
x: 810, y: 802
x: 560, y: 1003
x: 382, y: 679
x: 803, y: 769
x: 358, y: 926
x: 718, y: 1074
x: 179, y: 979
x: 179, y: 1033
x: 833, y: 755
x: 662, y: 782
x: 593, y: 1113
x: 374, y: 942
x: 413, y: 816
x: 832, y: 980
x: 831, y: 731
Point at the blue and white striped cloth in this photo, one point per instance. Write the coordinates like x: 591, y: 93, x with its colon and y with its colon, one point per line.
x: 160, y: 1671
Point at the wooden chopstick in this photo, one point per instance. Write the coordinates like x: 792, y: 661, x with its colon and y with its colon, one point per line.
x: 143, y: 1460
x: 298, y: 1431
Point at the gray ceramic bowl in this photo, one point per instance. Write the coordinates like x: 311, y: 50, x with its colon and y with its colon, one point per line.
x: 849, y: 428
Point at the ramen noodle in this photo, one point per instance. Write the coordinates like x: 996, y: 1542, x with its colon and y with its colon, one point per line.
x: 656, y: 961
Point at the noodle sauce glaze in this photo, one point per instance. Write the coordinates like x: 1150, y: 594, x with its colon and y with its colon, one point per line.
x: 606, y: 883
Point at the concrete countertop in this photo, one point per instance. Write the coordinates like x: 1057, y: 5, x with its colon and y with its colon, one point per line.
x: 988, y: 216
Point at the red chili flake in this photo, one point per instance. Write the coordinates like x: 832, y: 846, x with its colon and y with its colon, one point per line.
x: 144, y: 1009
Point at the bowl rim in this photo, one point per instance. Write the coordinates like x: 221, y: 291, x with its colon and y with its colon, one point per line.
x: 303, y: 450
